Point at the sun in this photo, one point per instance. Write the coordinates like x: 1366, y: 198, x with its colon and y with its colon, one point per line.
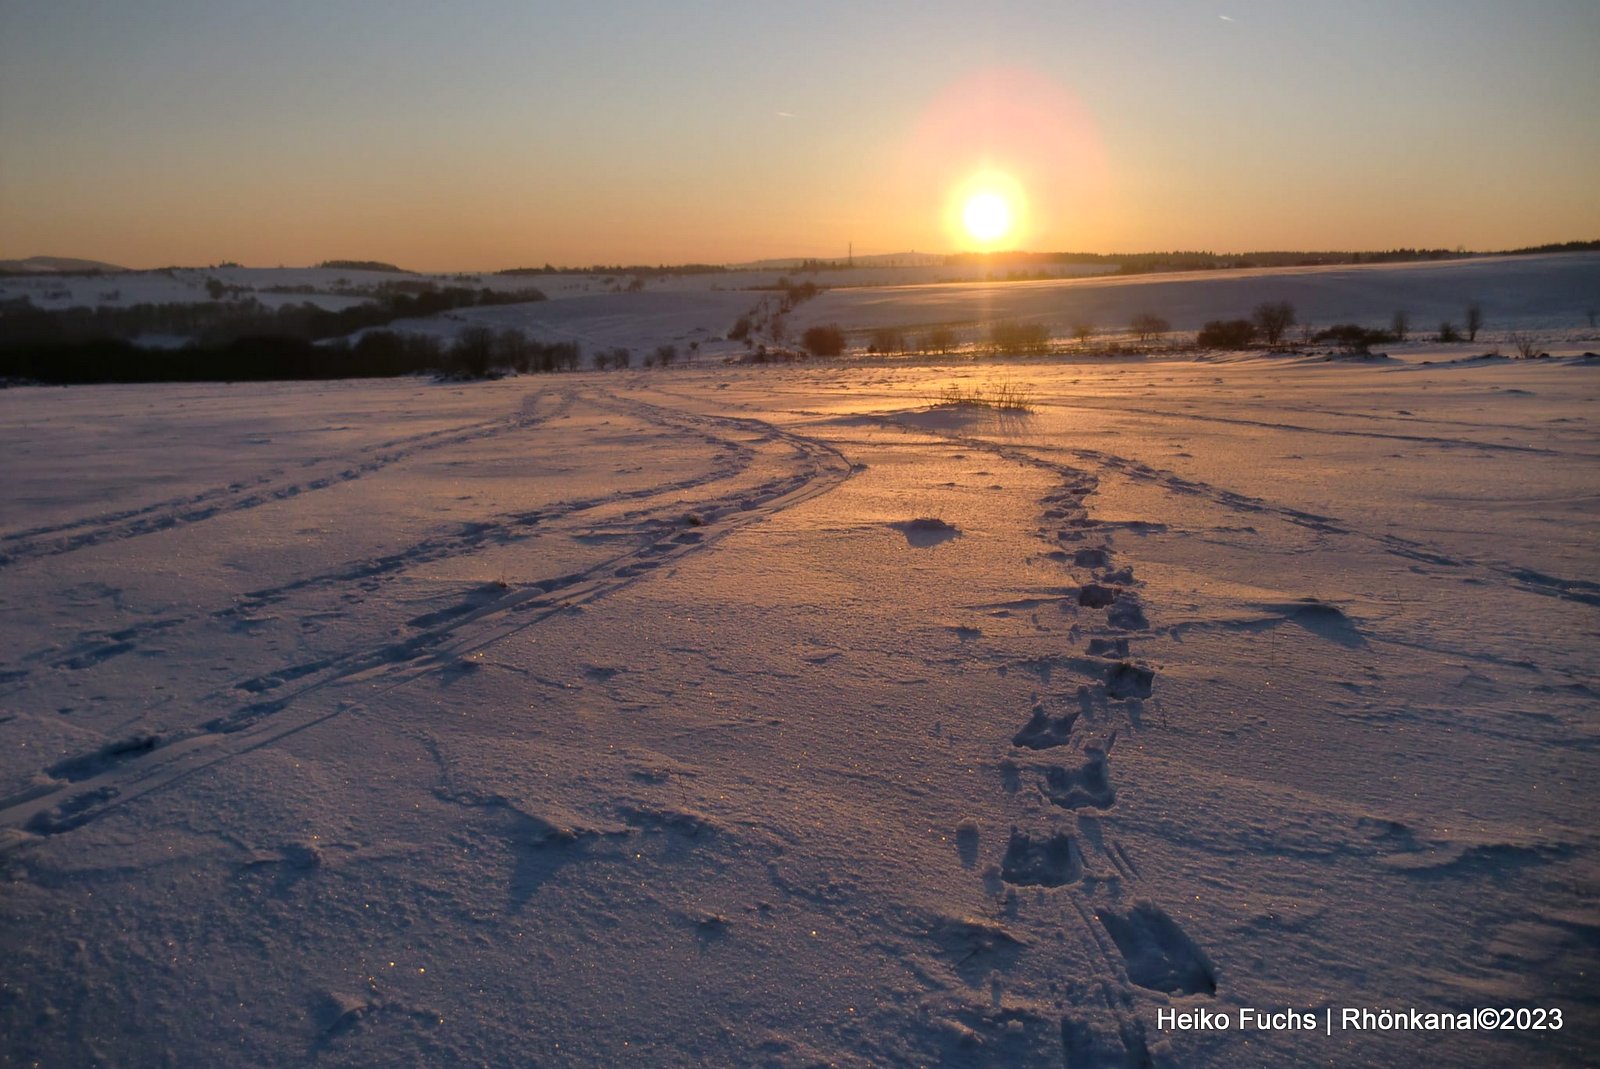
x: 987, y: 211
x: 987, y: 216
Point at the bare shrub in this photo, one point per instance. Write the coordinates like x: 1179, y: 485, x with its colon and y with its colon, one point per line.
x: 1226, y: 334
x: 1474, y: 320
x: 1352, y: 337
x: 618, y: 357
x: 827, y: 340
x: 1526, y: 345
x: 1012, y: 338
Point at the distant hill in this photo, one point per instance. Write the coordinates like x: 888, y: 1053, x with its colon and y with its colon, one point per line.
x: 361, y: 265
x: 56, y: 265
x: 888, y: 259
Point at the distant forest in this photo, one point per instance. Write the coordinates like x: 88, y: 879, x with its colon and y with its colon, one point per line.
x: 605, y: 271
x: 1126, y: 263
x: 1141, y: 263
x: 361, y: 265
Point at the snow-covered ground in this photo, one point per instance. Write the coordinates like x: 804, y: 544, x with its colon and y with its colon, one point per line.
x: 1554, y: 295
x: 775, y: 716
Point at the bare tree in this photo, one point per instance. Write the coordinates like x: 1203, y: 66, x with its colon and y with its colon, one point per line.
x: 888, y: 340
x: 472, y: 351
x: 1474, y: 320
x: 1273, y: 318
x: 939, y: 340
x: 1400, y: 325
x: 1147, y: 325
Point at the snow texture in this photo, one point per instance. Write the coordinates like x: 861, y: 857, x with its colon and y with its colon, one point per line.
x: 748, y: 716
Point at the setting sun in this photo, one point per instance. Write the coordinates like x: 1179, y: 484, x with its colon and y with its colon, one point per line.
x: 987, y: 210
x: 986, y: 216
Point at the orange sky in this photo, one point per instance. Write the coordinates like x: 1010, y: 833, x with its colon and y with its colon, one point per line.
x: 512, y: 134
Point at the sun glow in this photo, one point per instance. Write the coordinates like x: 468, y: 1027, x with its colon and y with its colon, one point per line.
x: 987, y: 211
x: 1005, y: 143
x: 986, y: 216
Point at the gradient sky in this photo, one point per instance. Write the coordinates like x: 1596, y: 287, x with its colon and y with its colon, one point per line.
x: 494, y: 133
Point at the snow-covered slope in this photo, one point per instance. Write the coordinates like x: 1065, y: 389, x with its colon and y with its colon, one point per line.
x: 744, y: 716
x: 1553, y: 291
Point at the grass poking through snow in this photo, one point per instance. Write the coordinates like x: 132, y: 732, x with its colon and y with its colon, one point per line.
x: 1002, y: 397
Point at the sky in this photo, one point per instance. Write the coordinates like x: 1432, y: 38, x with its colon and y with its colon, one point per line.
x: 488, y: 134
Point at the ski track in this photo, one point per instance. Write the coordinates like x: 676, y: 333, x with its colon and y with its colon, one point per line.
x: 263, y: 489
x: 1524, y: 578
x: 96, y: 646
x: 90, y: 785
x: 1423, y: 439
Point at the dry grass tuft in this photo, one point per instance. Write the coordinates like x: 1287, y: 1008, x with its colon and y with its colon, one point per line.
x: 1002, y: 397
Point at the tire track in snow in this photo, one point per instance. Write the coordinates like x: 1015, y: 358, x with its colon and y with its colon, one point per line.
x: 88, y: 786
x: 56, y: 539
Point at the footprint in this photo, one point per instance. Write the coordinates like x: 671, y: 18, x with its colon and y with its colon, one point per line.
x: 1158, y: 954
x: 1088, y: 787
x: 1109, y: 647
x: 1127, y: 680
x: 1050, y: 862
x: 1126, y: 615
x: 1042, y: 731
x: 1095, y: 596
x: 967, y: 843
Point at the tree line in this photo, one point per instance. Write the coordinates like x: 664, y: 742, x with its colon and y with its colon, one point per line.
x: 243, y: 340
x: 1271, y: 321
x: 477, y: 352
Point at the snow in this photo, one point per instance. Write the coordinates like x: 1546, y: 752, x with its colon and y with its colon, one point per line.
x: 1543, y: 292
x: 777, y: 716
x: 1552, y: 295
